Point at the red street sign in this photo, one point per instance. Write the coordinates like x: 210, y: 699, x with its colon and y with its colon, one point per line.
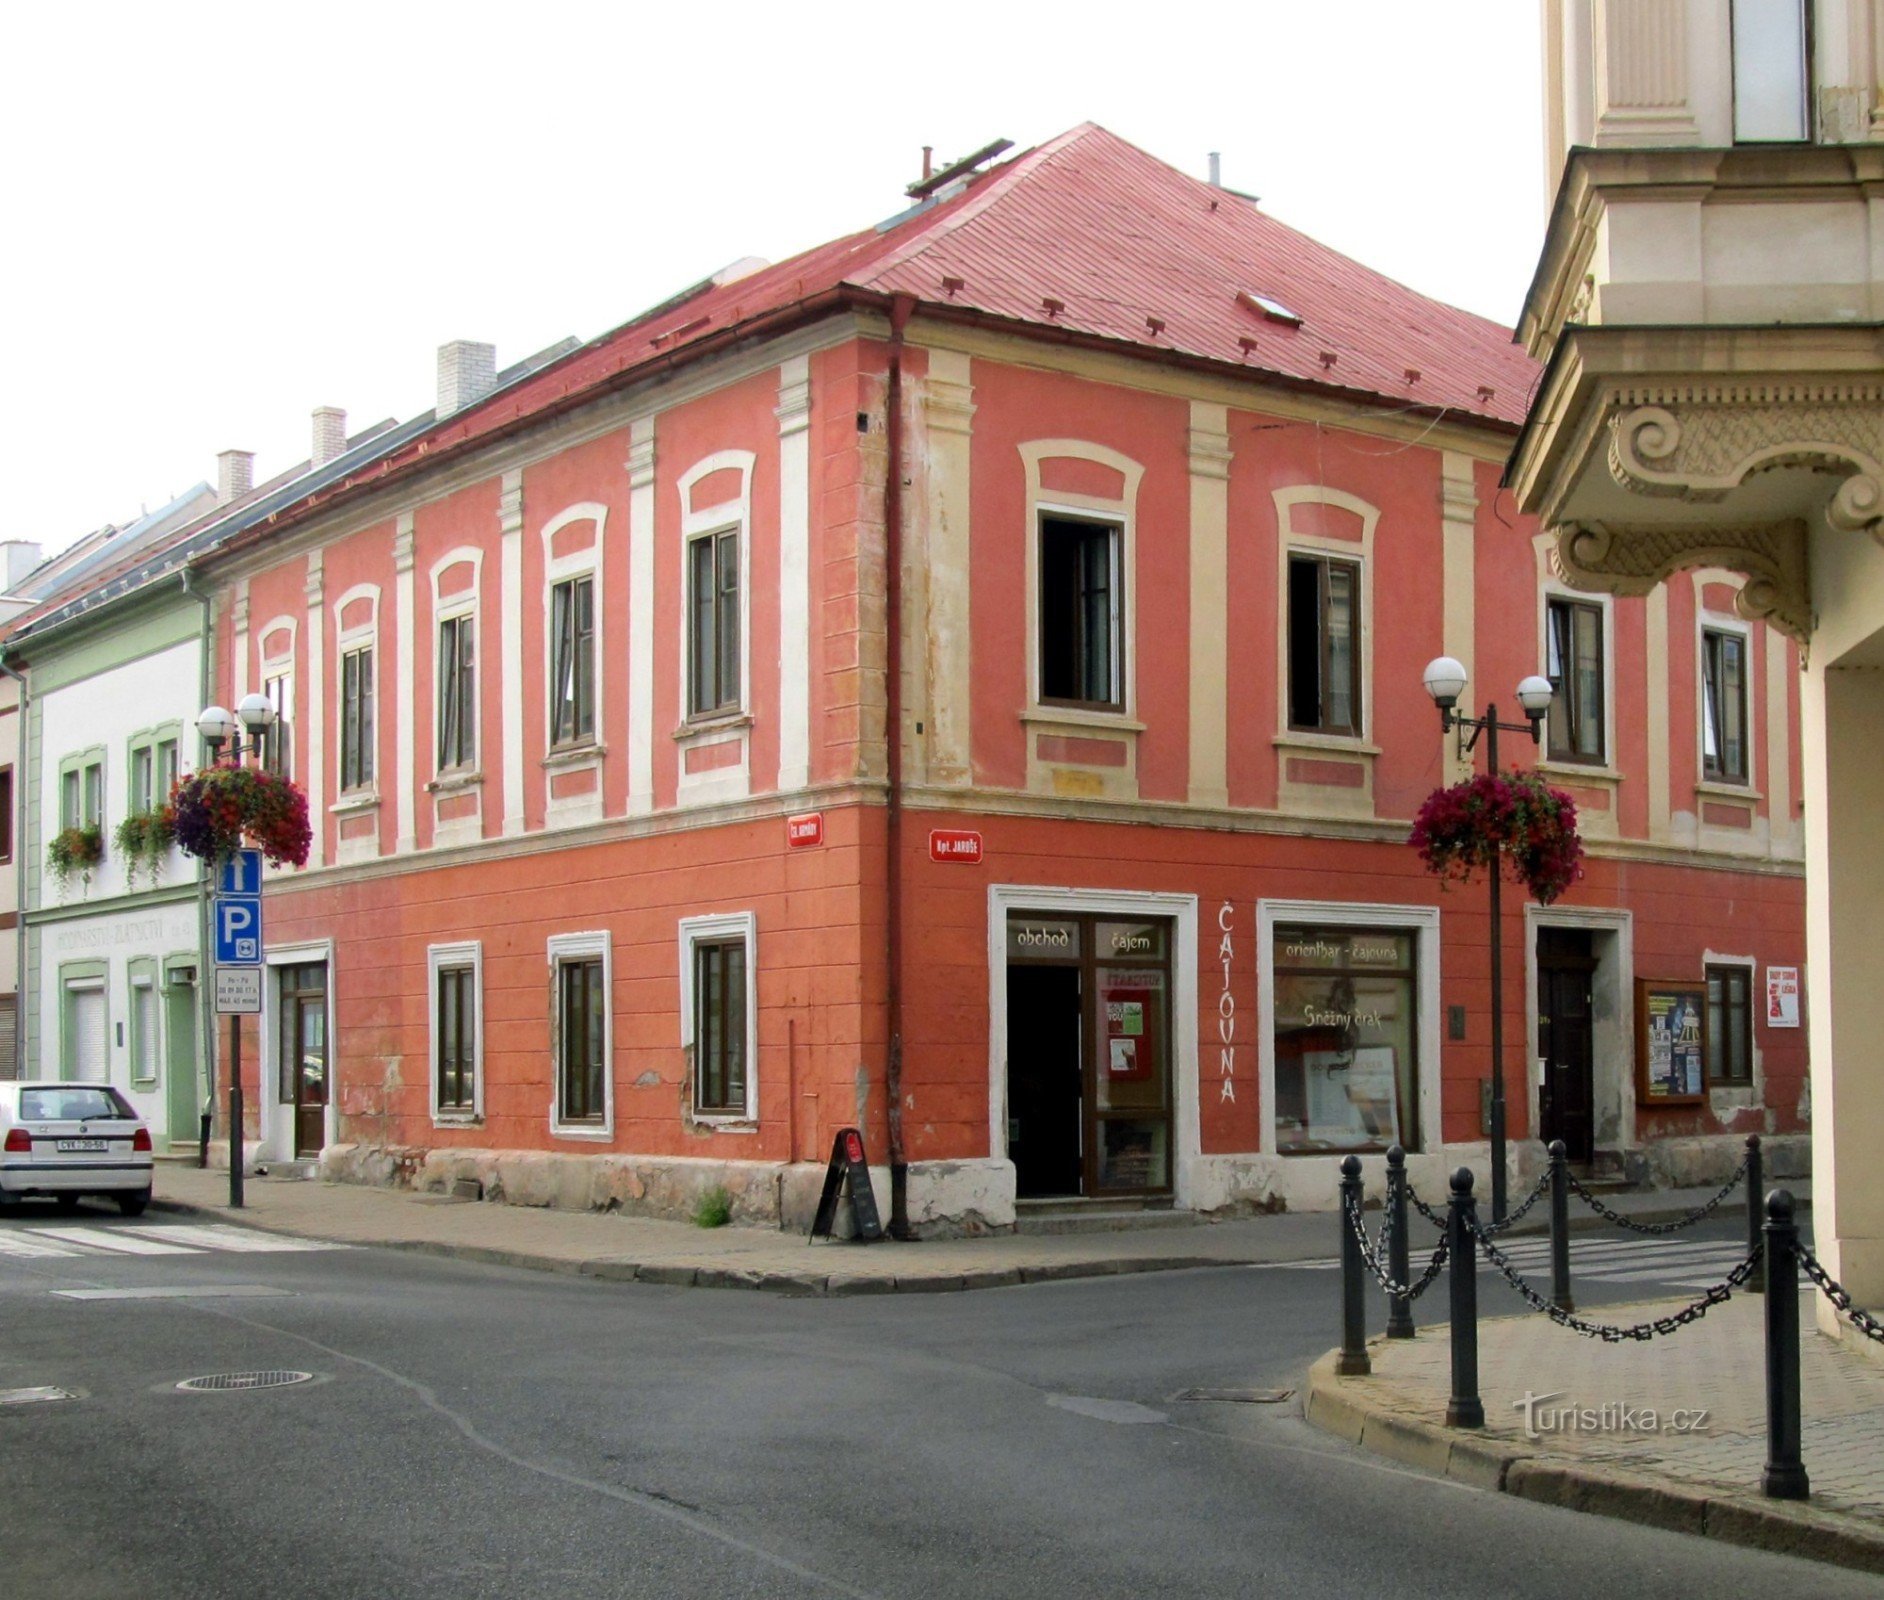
x: 805, y: 830
x: 955, y: 844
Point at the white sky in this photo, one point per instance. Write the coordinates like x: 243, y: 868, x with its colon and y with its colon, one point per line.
x: 221, y: 216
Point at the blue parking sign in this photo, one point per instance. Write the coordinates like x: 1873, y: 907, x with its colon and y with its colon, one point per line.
x: 237, y: 919
x: 240, y: 874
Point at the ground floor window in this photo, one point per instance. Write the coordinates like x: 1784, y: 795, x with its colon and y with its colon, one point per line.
x: 1729, y: 1033
x: 718, y: 1018
x: 582, y: 1029
x: 1346, y: 1038
x: 456, y: 1035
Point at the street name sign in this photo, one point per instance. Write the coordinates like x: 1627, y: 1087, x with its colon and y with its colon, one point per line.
x: 238, y: 991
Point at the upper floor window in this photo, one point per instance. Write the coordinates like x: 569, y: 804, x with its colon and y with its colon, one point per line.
x: 1080, y: 595
x: 169, y: 763
x: 143, y: 777
x: 1574, y: 664
x: 1324, y: 644
x: 154, y: 765
x: 572, y: 661
x: 713, y: 622
x: 356, y: 718
x: 457, y: 692
x: 82, y: 791
x: 278, y: 742
x: 1772, y: 42
x: 6, y: 814
x: 1724, y: 753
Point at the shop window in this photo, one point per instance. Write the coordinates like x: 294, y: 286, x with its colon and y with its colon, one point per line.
x: 1724, y: 705
x: 457, y: 693
x: 1729, y: 1025
x: 1324, y: 645
x: 356, y: 719
x: 1574, y: 665
x: 572, y: 661
x: 713, y: 623
x: 456, y: 1042
x: 1772, y: 47
x: 1346, y: 1039
x: 1080, y: 606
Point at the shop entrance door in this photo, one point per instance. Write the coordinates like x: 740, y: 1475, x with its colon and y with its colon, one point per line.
x: 1089, y: 1055
x: 303, y: 1051
x: 1566, y: 962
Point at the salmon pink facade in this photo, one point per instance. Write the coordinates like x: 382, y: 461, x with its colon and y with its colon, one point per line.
x: 867, y: 693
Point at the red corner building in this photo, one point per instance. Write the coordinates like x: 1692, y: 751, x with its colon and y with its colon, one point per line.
x: 965, y: 683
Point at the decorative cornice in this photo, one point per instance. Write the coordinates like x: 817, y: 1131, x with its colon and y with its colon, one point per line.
x: 641, y: 454
x: 1611, y: 559
x: 949, y: 407
x: 794, y: 403
x: 1209, y: 453
x: 316, y: 586
x: 403, y: 543
x: 510, y: 503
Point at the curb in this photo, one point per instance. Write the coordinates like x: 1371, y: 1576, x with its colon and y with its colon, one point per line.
x: 808, y: 1284
x: 1783, y: 1527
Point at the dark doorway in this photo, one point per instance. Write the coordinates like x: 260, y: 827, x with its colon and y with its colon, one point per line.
x: 1045, y: 1087
x: 1566, y: 964
x: 303, y: 1052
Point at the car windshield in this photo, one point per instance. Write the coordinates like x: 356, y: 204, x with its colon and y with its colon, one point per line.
x: 72, y: 1105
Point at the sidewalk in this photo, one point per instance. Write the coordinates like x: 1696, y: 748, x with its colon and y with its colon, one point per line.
x: 1623, y: 1462
x: 655, y: 1251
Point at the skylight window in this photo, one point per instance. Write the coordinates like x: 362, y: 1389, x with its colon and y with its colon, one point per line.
x: 1268, y: 306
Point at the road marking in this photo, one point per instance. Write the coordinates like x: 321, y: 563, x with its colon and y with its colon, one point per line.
x: 121, y: 1242
x: 242, y: 1291
x: 23, y: 1246
x: 225, y: 1236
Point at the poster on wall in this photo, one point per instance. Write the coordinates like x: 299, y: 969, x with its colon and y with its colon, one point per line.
x: 1671, y: 1043
x: 1352, y: 1097
x: 1782, y: 997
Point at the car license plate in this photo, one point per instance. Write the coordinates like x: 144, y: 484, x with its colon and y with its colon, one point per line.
x: 75, y: 1146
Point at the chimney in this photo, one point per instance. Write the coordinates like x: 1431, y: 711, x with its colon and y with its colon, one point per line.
x: 235, y: 475
x: 1216, y: 170
x: 467, y: 372
x: 330, y: 434
x: 21, y: 557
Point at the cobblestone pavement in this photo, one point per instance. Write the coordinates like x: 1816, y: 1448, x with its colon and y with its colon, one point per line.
x: 1617, y: 1405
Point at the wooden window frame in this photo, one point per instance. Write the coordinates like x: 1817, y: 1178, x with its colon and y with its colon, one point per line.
x: 1565, y: 716
x: 572, y: 661
x: 358, y: 731
x: 1325, y: 562
x: 1715, y: 767
x: 720, y: 931
x: 566, y: 952
x: 715, y: 679
x: 1096, y: 532
x: 1721, y: 1070
x: 456, y: 973
x: 456, y: 692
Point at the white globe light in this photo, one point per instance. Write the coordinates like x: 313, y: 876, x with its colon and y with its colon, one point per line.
x: 1445, y: 680
x: 1534, y: 694
x: 215, y: 724
x: 256, y: 711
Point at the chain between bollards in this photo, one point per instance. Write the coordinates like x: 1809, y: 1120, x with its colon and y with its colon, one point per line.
x: 1465, y: 1409
x: 1560, y: 1225
x: 1785, y: 1476
x: 1353, y: 1361
x: 1399, y: 1306
x: 1756, y: 1212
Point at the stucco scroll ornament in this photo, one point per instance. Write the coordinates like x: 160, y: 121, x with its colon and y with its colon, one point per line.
x: 1709, y: 450
x: 1616, y: 560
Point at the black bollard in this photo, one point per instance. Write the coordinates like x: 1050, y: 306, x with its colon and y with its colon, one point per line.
x: 1785, y: 1475
x: 1756, y: 1211
x: 1464, y: 1409
x: 1399, y: 1308
x: 1560, y: 1226
x: 1353, y: 1362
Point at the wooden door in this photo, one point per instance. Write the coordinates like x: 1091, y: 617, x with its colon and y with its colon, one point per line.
x: 1565, y: 1041
x: 303, y: 1048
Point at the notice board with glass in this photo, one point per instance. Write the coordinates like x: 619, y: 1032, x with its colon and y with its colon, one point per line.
x: 1671, y: 1042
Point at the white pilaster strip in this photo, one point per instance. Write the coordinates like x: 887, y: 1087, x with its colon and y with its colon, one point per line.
x: 1782, y: 824
x: 1659, y: 690
x: 794, y: 574
x: 1210, y: 604
x: 940, y: 692
x: 315, y: 700
x: 1458, y: 511
x: 510, y: 521
x: 641, y: 617
x: 404, y: 760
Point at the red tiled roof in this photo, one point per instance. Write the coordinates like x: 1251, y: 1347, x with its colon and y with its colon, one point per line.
x: 1127, y: 249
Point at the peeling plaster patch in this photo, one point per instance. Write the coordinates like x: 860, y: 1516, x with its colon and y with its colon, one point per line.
x: 648, y: 1079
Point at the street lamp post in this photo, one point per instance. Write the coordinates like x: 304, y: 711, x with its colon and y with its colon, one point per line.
x: 1445, y: 682
x: 254, y: 714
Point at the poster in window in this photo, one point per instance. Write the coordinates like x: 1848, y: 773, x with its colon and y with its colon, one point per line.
x: 1353, y: 1100
x: 1671, y: 1043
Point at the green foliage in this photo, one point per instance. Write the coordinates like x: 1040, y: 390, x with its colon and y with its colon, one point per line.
x: 143, y: 840
x: 714, y: 1210
x: 75, y: 850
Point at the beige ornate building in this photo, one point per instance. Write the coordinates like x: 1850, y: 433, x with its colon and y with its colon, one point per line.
x: 1710, y: 304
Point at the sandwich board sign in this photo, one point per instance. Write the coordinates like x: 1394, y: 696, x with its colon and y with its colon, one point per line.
x: 848, y: 1169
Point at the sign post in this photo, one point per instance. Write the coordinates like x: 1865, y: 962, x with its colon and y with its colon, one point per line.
x: 236, y: 918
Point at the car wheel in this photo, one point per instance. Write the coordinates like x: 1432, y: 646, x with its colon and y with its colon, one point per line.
x: 66, y: 1202
x: 132, y: 1205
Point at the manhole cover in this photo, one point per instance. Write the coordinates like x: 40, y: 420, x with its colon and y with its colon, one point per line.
x: 25, y: 1397
x: 244, y: 1380
x: 1247, y: 1397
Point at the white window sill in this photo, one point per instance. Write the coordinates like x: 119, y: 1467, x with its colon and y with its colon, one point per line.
x: 725, y: 1122
x: 1717, y: 790
x: 352, y: 804
x: 1081, y: 717
x: 1339, y: 743
x: 706, y: 727
x: 455, y: 782
x: 457, y: 1119
x: 1579, y: 772
x: 576, y: 755
x: 594, y: 1135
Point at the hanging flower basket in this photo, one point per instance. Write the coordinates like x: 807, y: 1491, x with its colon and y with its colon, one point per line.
x: 220, y: 809
x: 1514, y: 816
x: 74, y: 851
x: 143, y: 840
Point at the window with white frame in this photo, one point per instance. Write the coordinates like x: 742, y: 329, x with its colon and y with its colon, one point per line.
x: 457, y: 972
x: 356, y: 718
x: 572, y: 661
x: 719, y: 1014
x: 457, y: 692
x: 581, y: 1033
x: 1725, y: 745
x: 1081, y: 604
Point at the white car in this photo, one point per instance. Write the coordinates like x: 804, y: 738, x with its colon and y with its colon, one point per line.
x: 65, y: 1140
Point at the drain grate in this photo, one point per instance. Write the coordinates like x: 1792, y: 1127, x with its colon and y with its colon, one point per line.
x: 217, y: 1382
x: 1247, y: 1397
x: 26, y: 1397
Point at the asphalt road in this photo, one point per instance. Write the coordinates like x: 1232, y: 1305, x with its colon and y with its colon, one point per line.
x: 474, y: 1431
